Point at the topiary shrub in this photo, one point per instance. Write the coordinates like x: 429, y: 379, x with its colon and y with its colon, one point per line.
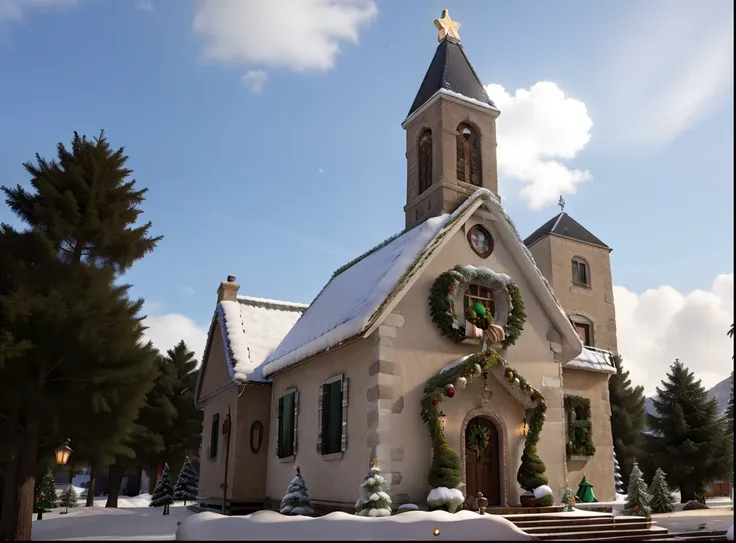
x: 546, y: 501
x: 532, y: 470
x: 445, y: 469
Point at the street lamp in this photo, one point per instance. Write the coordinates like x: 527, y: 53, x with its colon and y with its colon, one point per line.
x: 63, y: 452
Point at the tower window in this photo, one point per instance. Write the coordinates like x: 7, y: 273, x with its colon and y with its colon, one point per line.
x: 468, y: 155
x: 583, y: 330
x: 580, y: 272
x: 425, y: 161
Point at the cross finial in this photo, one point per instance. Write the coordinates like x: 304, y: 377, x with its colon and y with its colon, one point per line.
x: 447, y: 27
x: 561, y: 203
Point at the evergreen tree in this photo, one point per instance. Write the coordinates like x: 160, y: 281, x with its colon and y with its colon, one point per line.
x: 186, y: 485
x: 687, y: 434
x: 163, y: 495
x: 296, y: 499
x: 45, y: 495
x: 68, y: 497
x: 662, y: 501
x: 618, y: 480
x: 627, y: 418
x: 375, y: 501
x: 637, y: 498
x: 81, y: 216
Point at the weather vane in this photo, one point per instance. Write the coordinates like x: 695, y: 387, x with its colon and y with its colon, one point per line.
x: 561, y: 203
x: 447, y: 27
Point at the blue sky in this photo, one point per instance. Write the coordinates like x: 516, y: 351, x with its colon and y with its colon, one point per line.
x: 302, y: 160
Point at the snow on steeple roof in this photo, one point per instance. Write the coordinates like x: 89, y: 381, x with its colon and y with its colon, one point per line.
x: 356, y: 299
x: 564, y: 225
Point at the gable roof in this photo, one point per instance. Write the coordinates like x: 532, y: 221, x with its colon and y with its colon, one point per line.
x: 251, y: 328
x: 450, y: 70
x: 564, y: 225
x: 355, y: 301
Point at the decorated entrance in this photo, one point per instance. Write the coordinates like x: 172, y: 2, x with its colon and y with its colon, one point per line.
x: 482, y: 460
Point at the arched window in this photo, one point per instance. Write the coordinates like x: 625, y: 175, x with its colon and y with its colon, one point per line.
x: 425, y: 160
x: 584, y: 328
x: 468, y: 155
x: 580, y: 272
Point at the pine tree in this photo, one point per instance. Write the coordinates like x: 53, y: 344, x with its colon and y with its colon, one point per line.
x: 627, y: 418
x: 687, y: 434
x: 81, y: 217
x: 68, y: 497
x: 186, y: 485
x: 46, y: 494
x: 296, y: 499
x: 637, y: 498
x: 163, y: 495
x: 618, y: 480
x: 375, y: 501
x: 662, y: 501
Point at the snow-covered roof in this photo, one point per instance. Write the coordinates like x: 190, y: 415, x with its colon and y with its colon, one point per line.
x: 251, y: 328
x: 592, y: 359
x: 354, y: 300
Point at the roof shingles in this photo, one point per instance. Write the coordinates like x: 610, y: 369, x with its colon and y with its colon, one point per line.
x: 564, y: 225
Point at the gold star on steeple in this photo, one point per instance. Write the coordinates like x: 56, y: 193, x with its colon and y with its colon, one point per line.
x: 447, y: 27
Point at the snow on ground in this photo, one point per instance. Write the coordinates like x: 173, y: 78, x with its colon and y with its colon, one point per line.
x: 412, y: 525
x: 142, y: 500
x: 100, y: 523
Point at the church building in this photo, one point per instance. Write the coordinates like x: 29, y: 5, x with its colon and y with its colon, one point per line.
x: 454, y: 354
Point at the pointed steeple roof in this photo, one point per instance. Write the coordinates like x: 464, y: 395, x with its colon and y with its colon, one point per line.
x: 450, y: 69
x: 564, y: 225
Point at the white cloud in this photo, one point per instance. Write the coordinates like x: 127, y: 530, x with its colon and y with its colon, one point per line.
x: 662, y: 324
x: 165, y: 331
x: 298, y: 35
x: 671, y: 67
x: 16, y: 10
x: 144, y: 5
x: 538, y: 128
x: 255, y: 80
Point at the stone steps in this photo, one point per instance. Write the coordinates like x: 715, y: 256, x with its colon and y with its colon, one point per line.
x: 596, y: 526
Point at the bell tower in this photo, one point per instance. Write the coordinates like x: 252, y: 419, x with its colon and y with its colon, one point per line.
x: 450, y: 133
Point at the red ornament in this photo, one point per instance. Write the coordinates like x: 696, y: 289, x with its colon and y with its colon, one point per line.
x: 435, y: 402
x: 451, y: 393
x: 534, y: 396
x: 635, y: 508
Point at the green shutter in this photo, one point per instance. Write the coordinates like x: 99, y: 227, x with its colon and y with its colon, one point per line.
x: 279, y: 427
x: 214, y: 435
x: 344, y: 433
x: 287, y: 430
x: 334, y: 417
x: 296, y: 420
x: 319, y: 419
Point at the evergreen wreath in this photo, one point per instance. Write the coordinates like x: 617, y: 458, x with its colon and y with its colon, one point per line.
x: 579, y: 426
x: 455, y: 282
x: 445, y: 468
x: 478, y: 439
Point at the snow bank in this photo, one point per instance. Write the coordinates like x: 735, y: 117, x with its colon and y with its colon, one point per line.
x: 729, y: 534
x: 412, y: 525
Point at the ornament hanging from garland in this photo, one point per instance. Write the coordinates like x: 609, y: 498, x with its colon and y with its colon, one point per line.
x: 478, y: 439
x: 502, y: 328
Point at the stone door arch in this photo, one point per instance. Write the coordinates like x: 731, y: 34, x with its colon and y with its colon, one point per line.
x: 493, y: 466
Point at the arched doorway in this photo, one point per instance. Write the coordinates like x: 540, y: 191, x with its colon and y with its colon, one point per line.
x: 483, y: 473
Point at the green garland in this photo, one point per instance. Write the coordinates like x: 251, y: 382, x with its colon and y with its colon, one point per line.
x: 445, y: 469
x: 579, y: 427
x: 442, y: 305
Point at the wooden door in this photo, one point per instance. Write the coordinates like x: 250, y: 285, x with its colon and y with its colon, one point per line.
x: 483, y: 474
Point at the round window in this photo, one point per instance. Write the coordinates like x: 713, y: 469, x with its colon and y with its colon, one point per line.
x: 480, y: 241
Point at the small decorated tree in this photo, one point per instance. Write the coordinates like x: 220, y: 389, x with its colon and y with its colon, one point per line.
x: 375, y: 501
x: 163, y: 494
x: 186, y: 485
x: 568, y: 500
x: 444, y: 478
x: 68, y: 497
x: 45, y: 495
x: 296, y: 500
x: 637, y: 499
x: 662, y: 501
